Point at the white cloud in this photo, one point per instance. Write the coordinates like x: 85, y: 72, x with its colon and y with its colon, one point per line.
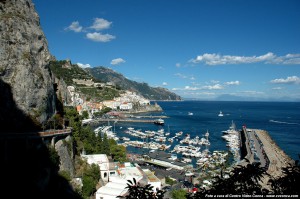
x: 232, y: 83
x: 164, y: 83
x: 181, y: 75
x: 288, y: 80
x: 213, y: 87
x: 191, y: 88
x: 186, y: 88
x: 100, y: 24
x: 84, y: 65
x: 117, y: 61
x: 217, y: 59
x: 177, y: 65
x: 277, y: 88
x: 210, y: 87
x: 99, y: 37
x: 74, y: 27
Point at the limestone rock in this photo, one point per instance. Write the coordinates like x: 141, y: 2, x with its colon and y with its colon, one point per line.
x: 26, y: 87
x: 65, y: 152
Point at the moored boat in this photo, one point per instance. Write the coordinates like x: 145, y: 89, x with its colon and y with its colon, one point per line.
x: 159, y: 121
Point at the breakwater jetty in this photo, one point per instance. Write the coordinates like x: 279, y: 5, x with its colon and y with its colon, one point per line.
x: 258, y: 146
x: 126, y: 118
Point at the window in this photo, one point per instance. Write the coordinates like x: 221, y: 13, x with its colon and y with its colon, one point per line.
x: 112, y: 173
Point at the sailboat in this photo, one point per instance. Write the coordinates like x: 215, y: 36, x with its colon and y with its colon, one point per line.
x: 168, y: 133
x: 220, y: 114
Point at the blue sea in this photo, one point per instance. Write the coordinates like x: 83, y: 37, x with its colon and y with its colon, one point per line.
x: 280, y: 119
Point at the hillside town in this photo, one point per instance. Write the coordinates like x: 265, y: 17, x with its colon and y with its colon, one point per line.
x: 128, y: 101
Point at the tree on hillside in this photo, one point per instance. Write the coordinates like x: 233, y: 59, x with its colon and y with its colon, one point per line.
x: 242, y: 180
x: 179, y: 194
x: 85, y: 114
x: 99, y: 145
x: 118, y: 153
x: 246, y: 180
x: 289, y: 182
x: 106, y: 148
x: 90, y: 179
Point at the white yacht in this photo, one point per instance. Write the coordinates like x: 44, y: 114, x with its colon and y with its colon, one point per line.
x: 159, y: 121
x: 220, y: 114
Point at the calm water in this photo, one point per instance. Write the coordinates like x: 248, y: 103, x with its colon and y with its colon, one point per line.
x: 280, y: 119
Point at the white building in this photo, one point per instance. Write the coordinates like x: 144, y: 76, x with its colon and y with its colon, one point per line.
x: 153, y: 180
x: 116, y: 176
x: 112, y: 104
x: 126, y: 106
x: 107, y: 169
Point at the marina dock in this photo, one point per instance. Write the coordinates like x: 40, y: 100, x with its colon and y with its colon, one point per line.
x: 262, y: 148
x: 146, y: 116
x: 277, y: 157
x: 123, y: 120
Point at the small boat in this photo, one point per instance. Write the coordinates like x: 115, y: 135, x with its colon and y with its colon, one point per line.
x: 179, y: 133
x: 190, y: 113
x: 206, y: 134
x: 220, y: 114
x: 159, y: 121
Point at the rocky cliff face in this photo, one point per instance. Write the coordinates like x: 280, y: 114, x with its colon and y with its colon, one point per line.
x: 64, y: 149
x: 27, y: 93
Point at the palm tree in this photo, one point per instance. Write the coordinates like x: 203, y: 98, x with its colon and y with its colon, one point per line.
x: 289, y: 182
x: 136, y: 191
x: 242, y: 180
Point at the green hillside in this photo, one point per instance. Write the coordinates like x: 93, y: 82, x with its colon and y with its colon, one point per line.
x: 152, y: 93
x: 67, y: 71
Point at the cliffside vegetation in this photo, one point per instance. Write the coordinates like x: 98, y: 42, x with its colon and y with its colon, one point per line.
x: 86, y: 141
x: 152, y: 93
x: 67, y: 71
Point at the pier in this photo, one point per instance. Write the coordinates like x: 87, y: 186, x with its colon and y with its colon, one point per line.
x: 126, y: 119
x: 123, y: 120
x: 147, y: 116
x: 261, y: 148
x: 277, y: 157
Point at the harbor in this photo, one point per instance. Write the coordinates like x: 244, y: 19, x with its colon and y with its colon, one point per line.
x: 182, y: 152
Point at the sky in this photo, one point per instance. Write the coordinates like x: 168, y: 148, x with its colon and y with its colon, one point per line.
x: 201, y: 49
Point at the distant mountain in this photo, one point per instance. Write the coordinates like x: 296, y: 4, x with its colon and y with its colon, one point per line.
x: 153, y: 93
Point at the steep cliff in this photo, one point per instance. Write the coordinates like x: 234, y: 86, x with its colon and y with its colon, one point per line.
x: 153, y: 93
x: 65, y: 151
x: 27, y: 94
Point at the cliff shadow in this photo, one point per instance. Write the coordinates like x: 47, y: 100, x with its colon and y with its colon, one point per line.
x: 29, y: 169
